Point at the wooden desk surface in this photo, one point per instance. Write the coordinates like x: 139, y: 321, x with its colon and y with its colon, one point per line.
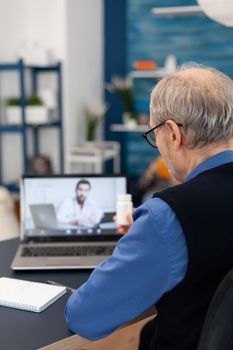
x: 123, y: 339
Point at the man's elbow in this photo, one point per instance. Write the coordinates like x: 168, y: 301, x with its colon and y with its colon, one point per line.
x: 85, y: 329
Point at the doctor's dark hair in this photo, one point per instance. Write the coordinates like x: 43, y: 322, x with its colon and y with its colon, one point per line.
x: 84, y: 182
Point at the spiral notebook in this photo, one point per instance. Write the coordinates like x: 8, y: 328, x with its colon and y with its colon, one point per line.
x: 26, y: 295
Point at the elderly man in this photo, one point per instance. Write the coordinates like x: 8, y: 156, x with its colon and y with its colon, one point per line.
x: 180, y: 244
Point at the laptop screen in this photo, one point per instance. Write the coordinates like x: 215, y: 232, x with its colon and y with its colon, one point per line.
x: 70, y: 206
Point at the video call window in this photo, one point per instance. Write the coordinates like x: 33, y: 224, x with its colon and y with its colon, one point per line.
x: 54, y: 206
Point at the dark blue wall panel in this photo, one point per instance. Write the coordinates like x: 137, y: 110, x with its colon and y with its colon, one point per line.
x: 115, y: 58
x: 133, y: 33
x: 192, y: 38
x: 150, y: 37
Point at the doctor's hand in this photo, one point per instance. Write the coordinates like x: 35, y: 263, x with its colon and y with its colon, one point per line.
x: 74, y: 222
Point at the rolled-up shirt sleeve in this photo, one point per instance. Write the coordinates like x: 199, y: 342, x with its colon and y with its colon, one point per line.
x: 140, y: 270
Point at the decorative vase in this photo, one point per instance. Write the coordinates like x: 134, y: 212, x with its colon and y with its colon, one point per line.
x: 129, y: 120
x: 33, y: 115
x: 36, y: 115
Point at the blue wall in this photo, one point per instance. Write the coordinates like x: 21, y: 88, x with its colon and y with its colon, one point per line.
x: 133, y: 33
x: 153, y: 37
x: 189, y: 38
x: 114, y: 64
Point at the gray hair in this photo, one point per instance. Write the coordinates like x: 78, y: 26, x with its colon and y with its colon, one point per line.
x: 203, y: 106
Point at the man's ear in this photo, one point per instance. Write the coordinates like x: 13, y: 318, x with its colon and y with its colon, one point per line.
x: 175, y: 137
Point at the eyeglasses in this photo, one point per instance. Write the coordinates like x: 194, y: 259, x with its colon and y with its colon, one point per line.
x: 150, y: 135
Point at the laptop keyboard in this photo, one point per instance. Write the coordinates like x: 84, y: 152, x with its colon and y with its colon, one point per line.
x: 67, y: 251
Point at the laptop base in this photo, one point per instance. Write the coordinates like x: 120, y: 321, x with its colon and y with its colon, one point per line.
x: 58, y: 262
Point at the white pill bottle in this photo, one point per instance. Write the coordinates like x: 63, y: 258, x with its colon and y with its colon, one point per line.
x: 123, y: 207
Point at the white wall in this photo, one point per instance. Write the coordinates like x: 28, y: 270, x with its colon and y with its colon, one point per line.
x: 72, y: 29
x: 84, y: 63
x: 47, y: 24
x: 30, y: 21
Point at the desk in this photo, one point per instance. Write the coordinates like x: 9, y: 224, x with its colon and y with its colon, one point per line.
x: 24, y: 330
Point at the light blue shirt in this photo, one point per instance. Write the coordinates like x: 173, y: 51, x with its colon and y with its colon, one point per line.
x: 148, y: 261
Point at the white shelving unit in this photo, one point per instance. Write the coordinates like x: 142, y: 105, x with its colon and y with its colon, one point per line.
x: 158, y: 73
x: 175, y: 11
x: 95, y: 154
x: 168, y: 68
x: 129, y: 128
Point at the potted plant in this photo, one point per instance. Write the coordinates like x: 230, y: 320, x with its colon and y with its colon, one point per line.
x: 93, y: 116
x: 13, y: 110
x: 35, y: 111
x: 123, y: 87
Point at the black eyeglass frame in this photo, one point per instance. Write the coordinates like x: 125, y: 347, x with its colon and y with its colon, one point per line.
x: 145, y: 135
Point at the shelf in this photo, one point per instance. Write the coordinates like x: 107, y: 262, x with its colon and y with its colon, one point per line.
x: 177, y: 11
x: 19, y: 128
x: 158, y: 73
x: 14, y: 66
x: 9, y: 66
x: 95, y: 153
x: 128, y: 128
x: 50, y: 68
x: 45, y: 125
x: 11, y: 128
x: 22, y: 128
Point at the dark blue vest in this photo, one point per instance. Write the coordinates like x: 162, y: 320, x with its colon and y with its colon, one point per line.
x: 204, y: 208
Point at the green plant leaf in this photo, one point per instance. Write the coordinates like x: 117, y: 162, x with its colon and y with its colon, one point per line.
x: 34, y: 101
x: 13, y: 101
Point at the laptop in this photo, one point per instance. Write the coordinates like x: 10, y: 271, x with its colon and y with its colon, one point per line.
x: 44, y: 216
x: 67, y: 221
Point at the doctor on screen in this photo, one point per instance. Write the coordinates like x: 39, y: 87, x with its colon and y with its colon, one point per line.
x: 80, y: 210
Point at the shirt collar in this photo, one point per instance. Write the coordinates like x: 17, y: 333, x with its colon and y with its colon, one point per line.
x: 86, y: 202
x: 212, y: 162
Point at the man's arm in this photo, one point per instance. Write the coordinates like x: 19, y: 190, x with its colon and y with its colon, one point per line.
x: 134, y: 278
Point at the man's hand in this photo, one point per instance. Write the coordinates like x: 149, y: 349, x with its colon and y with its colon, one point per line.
x: 124, y: 228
